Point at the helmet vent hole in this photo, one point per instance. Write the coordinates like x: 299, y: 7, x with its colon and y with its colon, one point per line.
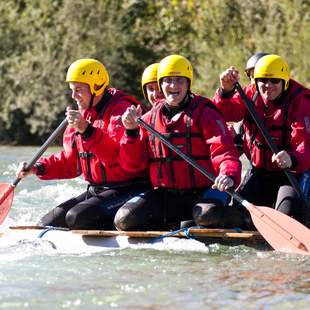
x: 91, y: 72
x: 98, y: 72
x: 84, y: 72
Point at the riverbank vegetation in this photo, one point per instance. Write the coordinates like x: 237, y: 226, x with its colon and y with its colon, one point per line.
x: 39, y: 39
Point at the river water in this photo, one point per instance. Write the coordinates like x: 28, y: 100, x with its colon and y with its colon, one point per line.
x: 36, y: 276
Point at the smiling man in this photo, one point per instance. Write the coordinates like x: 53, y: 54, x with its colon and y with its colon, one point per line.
x: 195, y: 126
x: 284, y: 106
x: 91, y: 148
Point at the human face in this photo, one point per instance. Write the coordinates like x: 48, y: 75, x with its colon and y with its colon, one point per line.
x: 80, y: 94
x: 174, y: 89
x: 250, y: 75
x: 269, y: 89
x: 153, y: 93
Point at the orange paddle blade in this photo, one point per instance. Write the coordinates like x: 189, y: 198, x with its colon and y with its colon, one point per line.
x: 6, y: 199
x: 294, y: 239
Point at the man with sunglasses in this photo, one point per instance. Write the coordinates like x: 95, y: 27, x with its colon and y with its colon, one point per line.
x: 284, y: 106
x: 238, y: 135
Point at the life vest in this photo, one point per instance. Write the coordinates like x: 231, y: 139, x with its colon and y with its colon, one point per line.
x: 278, y: 119
x: 169, y: 170
x: 105, y: 169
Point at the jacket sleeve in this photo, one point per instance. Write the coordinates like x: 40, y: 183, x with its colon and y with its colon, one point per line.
x: 300, y: 136
x: 223, y: 153
x: 231, y: 105
x: 64, y: 165
x: 105, y: 142
x: 134, y: 151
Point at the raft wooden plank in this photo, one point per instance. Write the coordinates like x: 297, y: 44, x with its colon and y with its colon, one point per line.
x: 195, y: 232
x: 213, y: 233
x: 22, y: 227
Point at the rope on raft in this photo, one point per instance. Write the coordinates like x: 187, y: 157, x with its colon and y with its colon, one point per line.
x: 49, y: 228
x: 186, y: 231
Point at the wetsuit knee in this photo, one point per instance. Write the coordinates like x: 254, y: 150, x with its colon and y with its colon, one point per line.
x: 125, y: 218
x: 216, y: 215
x: 132, y: 216
x: 56, y: 218
x: 208, y: 214
x: 72, y: 219
x: 287, y: 200
x: 81, y: 218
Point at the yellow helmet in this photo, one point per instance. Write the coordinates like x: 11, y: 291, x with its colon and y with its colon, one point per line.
x: 149, y: 76
x: 175, y: 65
x: 272, y: 66
x: 91, y: 72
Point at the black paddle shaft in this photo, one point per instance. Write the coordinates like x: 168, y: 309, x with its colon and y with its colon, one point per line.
x: 269, y: 141
x: 43, y: 148
x: 188, y: 158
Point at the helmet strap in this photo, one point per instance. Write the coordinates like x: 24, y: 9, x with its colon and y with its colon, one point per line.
x: 91, y: 102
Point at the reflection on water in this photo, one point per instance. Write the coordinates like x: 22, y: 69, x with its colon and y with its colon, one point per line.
x: 34, y: 275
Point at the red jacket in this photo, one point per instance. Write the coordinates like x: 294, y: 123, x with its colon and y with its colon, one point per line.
x: 287, y: 120
x: 95, y: 153
x: 198, y: 131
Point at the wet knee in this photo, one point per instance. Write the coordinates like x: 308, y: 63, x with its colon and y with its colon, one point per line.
x: 208, y: 214
x: 125, y: 219
x: 72, y: 219
x: 287, y: 200
x: 56, y: 218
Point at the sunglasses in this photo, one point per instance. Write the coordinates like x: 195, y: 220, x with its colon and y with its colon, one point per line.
x: 272, y: 81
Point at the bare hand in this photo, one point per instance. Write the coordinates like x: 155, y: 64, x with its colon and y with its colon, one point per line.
x: 229, y: 78
x: 282, y: 159
x: 223, y: 182
x: 76, y: 120
x: 130, y: 117
x: 21, y: 172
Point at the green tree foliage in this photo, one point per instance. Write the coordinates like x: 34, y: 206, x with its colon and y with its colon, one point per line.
x: 40, y: 38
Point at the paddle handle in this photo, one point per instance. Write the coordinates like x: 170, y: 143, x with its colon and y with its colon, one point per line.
x: 189, y: 159
x: 270, y: 143
x: 43, y: 148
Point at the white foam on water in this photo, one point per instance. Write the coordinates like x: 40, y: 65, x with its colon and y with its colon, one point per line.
x: 174, y: 244
x: 30, y: 205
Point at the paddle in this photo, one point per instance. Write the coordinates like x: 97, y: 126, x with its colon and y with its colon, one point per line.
x: 282, y: 232
x: 7, y: 189
x: 269, y: 141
